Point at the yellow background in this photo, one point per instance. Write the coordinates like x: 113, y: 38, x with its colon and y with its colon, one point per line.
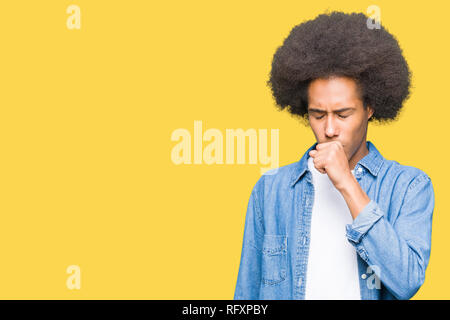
x: 86, y: 118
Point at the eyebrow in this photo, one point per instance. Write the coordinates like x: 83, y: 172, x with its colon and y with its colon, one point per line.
x: 323, y: 111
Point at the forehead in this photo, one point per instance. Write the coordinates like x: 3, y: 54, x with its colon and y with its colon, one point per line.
x: 333, y: 93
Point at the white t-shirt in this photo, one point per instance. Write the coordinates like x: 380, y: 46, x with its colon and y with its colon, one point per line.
x: 332, y: 270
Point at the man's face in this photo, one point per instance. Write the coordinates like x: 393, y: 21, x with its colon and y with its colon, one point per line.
x: 336, y: 112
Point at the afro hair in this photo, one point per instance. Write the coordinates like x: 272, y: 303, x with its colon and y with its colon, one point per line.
x: 340, y: 44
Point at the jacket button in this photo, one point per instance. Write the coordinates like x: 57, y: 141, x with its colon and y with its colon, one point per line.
x: 363, y: 276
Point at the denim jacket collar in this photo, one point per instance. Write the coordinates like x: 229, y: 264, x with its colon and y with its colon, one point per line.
x: 372, y: 162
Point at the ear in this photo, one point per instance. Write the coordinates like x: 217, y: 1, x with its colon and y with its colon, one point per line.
x: 370, y: 113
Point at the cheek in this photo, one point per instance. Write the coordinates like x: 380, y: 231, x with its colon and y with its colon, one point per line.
x: 351, y: 134
x: 315, y: 129
x: 357, y: 128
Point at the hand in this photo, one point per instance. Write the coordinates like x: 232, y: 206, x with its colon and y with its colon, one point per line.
x: 330, y: 158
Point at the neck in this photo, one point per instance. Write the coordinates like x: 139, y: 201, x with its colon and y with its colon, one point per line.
x: 360, y: 153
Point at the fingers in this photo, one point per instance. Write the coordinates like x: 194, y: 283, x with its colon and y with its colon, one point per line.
x: 326, y: 153
x: 320, y: 167
x: 324, y: 145
x: 318, y: 161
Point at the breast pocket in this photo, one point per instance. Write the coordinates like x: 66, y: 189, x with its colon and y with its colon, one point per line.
x: 274, y: 259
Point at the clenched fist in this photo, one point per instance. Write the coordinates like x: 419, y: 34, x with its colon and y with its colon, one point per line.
x: 330, y: 158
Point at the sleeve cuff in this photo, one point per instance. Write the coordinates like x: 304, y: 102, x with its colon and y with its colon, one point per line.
x: 363, y: 222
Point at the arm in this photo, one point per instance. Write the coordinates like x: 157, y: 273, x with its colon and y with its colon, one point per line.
x: 249, y: 276
x: 400, y: 250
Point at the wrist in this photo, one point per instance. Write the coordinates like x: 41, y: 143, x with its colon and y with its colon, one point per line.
x: 354, y: 196
x: 347, y: 184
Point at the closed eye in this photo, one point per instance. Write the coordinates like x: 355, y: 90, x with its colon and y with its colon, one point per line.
x: 339, y: 115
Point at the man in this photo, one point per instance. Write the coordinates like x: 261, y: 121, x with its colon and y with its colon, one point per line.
x: 343, y: 222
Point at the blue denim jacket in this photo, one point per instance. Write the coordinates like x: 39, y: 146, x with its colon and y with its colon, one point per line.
x: 391, y: 235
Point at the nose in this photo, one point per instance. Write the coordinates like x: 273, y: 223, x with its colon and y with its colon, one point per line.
x: 330, y: 127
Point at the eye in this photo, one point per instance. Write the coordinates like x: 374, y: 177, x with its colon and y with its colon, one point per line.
x: 319, y: 117
x: 341, y: 116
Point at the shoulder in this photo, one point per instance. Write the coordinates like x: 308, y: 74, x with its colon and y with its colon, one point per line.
x: 402, y: 188
x: 403, y: 175
x: 277, y: 178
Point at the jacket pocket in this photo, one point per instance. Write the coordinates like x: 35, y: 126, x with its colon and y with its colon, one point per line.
x: 274, y: 259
